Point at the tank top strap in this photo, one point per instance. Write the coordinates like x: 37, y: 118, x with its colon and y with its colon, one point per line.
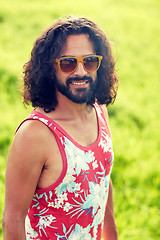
x: 34, y: 116
x: 101, y: 115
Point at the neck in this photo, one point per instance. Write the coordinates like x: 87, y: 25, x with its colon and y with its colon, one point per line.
x: 71, y: 109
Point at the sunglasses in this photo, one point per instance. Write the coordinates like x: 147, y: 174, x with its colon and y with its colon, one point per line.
x: 91, y: 63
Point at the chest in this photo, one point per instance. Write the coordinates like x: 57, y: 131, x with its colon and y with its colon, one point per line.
x: 84, y: 133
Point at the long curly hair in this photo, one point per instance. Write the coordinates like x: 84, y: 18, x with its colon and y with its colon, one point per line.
x: 39, y: 73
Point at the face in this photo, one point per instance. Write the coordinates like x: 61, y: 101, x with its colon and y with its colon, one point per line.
x: 78, y: 86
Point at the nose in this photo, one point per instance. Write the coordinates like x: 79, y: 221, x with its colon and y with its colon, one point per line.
x: 80, y: 71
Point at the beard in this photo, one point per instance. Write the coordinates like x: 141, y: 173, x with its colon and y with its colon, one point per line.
x: 80, y: 95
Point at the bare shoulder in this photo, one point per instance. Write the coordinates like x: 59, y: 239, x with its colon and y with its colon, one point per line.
x: 32, y: 130
x: 30, y: 143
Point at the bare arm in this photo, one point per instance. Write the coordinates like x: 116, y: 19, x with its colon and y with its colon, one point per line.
x: 24, y: 165
x: 110, y: 230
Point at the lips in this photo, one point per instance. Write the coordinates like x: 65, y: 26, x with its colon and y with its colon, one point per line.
x: 79, y: 83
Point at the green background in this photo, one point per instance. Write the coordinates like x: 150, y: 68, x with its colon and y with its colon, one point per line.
x: 133, y: 27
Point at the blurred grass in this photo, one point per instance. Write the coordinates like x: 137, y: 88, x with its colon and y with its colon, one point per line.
x: 134, y: 30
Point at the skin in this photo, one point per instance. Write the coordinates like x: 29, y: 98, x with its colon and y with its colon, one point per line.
x: 30, y: 165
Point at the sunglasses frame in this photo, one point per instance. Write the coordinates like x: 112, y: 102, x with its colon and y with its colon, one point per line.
x: 79, y: 59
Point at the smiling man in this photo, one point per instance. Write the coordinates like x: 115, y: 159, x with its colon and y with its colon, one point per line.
x: 81, y: 86
x: 58, y: 182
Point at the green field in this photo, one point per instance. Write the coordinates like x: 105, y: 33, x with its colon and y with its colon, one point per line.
x: 133, y: 27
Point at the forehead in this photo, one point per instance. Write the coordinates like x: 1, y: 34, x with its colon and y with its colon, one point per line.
x: 78, y: 45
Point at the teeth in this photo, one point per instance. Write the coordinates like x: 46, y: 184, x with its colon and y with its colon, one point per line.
x: 79, y: 83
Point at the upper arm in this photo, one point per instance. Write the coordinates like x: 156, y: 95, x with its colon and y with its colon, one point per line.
x: 24, y: 165
x: 109, y: 229
x: 109, y: 205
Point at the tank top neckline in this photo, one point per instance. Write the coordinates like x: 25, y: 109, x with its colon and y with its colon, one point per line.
x: 67, y: 135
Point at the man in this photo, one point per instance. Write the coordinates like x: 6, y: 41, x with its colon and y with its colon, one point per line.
x: 58, y: 170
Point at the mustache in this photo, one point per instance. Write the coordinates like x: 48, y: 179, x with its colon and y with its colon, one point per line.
x: 85, y: 78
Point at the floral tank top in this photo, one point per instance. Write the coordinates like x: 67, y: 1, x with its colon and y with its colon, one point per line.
x: 73, y: 207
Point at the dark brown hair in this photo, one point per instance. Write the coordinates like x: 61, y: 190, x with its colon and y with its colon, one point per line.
x: 39, y: 85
